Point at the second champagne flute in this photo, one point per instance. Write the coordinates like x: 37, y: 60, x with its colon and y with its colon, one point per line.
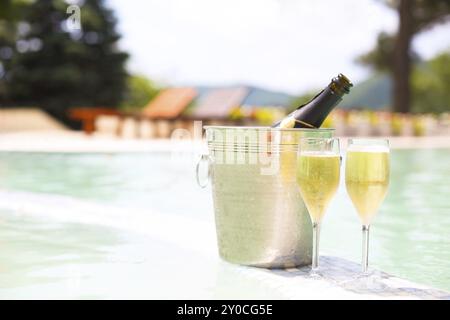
x: 318, y: 172
x: 367, y: 179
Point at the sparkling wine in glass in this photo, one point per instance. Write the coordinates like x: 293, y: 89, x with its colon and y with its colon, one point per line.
x: 367, y: 179
x: 318, y: 172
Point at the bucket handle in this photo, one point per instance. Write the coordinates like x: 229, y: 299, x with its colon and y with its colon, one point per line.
x: 202, y: 182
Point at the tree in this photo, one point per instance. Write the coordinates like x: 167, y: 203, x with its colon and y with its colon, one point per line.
x: 139, y: 92
x: 394, y: 53
x: 430, y: 82
x: 56, y: 68
x: 10, y: 15
x: 11, y: 9
x: 381, y: 58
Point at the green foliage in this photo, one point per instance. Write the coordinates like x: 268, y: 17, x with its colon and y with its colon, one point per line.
x: 394, y: 52
x: 425, y: 12
x: 266, y: 116
x: 424, y: 15
x: 431, y: 85
x: 12, y: 9
x: 237, y: 113
x: 11, y: 12
x: 139, y: 91
x: 396, y: 125
x: 418, y: 126
x: 380, y: 57
x: 56, y: 68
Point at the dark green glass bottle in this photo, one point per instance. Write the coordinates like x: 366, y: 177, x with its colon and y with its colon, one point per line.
x: 313, y: 113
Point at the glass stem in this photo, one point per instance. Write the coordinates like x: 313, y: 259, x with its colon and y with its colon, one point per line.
x: 365, y: 243
x: 316, y: 237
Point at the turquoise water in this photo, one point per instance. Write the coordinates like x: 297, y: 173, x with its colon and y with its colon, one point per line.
x: 409, y: 238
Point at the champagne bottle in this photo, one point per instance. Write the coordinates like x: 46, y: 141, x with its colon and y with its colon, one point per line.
x: 313, y: 113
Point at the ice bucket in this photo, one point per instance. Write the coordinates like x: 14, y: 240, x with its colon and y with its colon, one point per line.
x: 261, y: 220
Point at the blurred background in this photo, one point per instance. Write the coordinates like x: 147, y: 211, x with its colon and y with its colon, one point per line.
x: 144, y: 69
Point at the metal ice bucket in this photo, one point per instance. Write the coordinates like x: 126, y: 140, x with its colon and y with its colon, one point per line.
x: 261, y: 219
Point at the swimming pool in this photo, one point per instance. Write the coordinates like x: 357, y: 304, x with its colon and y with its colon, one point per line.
x: 410, y: 237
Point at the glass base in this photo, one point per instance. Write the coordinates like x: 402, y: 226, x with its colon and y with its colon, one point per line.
x: 371, y: 281
x: 316, y: 273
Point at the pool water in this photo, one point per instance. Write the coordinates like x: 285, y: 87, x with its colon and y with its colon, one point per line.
x: 410, y: 237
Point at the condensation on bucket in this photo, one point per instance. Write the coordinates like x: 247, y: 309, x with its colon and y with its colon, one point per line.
x: 261, y: 219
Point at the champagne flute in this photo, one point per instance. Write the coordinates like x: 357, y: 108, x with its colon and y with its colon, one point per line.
x: 366, y: 180
x: 318, y: 172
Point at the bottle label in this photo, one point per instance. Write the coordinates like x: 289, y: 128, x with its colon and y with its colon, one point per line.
x: 305, y: 124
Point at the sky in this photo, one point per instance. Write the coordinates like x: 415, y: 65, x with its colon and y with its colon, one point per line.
x: 284, y: 45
